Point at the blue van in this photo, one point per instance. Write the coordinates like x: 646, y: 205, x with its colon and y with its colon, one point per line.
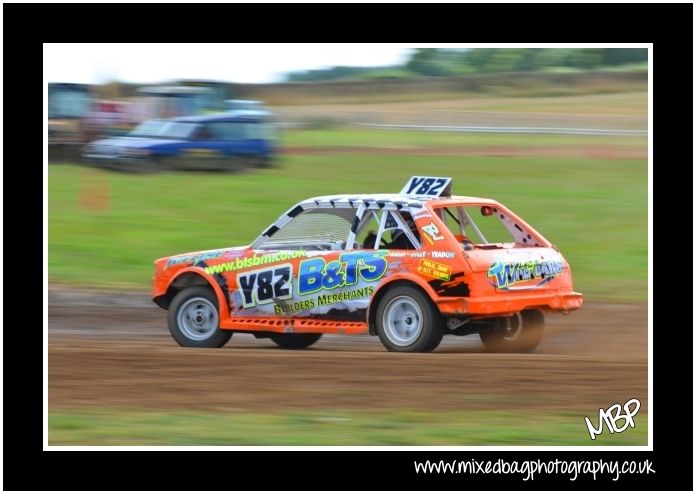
x: 228, y: 141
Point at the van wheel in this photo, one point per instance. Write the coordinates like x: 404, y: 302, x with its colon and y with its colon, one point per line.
x: 407, y: 321
x: 194, y: 319
x: 520, y: 333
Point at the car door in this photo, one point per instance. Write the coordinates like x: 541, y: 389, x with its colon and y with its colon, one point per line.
x: 206, y: 149
x: 259, y: 141
x: 303, y: 270
x: 240, y: 148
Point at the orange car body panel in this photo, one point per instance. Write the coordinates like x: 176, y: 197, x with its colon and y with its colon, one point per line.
x: 333, y: 291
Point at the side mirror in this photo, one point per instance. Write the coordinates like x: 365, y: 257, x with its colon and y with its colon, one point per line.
x: 486, y: 210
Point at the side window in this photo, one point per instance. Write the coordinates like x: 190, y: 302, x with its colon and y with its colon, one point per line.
x: 469, y: 223
x: 400, y: 236
x: 235, y: 131
x: 459, y: 223
x: 222, y: 131
x: 254, y: 131
x: 450, y: 218
x: 260, y: 130
x: 401, y: 231
x: 367, y: 230
x: 491, y: 227
x: 208, y: 132
x: 398, y: 232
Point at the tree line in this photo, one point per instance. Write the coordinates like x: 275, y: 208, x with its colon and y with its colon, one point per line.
x: 440, y: 62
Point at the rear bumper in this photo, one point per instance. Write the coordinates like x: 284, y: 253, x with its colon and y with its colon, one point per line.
x: 510, y: 303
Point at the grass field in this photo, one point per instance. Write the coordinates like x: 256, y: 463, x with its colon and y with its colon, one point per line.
x: 604, y: 104
x: 553, y: 84
x: 106, y: 229
x: 322, y: 428
x: 403, y: 139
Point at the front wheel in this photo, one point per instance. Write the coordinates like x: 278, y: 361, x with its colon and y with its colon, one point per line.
x: 295, y: 341
x: 408, y: 321
x: 520, y: 333
x: 194, y: 319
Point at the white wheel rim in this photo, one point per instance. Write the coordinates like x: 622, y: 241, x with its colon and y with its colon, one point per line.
x: 402, y: 321
x: 197, y: 319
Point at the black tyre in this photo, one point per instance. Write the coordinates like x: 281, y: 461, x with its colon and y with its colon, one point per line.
x: 295, y: 341
x: 263, y: 162
x: 142, y: 165
x: 407, y: 321
x: 194, y: 319
x: 147, y: 165
x: 520, y: 333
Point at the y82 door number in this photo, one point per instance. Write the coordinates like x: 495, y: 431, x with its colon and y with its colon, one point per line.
x: 263, y: 286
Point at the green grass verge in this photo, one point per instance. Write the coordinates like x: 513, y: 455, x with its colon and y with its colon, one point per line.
x: 405, y: 139
x: 397, y: 428
x: 595, y: 211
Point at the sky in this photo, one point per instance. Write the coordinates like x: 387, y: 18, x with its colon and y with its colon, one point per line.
x: 95, y: 63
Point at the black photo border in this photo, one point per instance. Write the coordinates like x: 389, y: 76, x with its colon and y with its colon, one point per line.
x: 26, y: 26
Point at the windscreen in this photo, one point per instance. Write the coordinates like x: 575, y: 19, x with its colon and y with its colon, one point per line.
x: 164, y: 129
x: 316, y: 227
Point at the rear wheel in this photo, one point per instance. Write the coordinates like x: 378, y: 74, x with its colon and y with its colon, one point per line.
x: 194, y: 319
x: 520, y: 333
x: 407, y: 321
x: 295, y: 341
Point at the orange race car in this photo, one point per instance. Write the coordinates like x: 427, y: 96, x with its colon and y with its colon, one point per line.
x: 408, y: 267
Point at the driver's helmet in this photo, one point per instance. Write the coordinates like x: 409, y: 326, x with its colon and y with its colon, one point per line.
x: 390, y: 222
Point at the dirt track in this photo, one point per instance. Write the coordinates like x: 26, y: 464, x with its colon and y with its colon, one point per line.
x: 115, y: 350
